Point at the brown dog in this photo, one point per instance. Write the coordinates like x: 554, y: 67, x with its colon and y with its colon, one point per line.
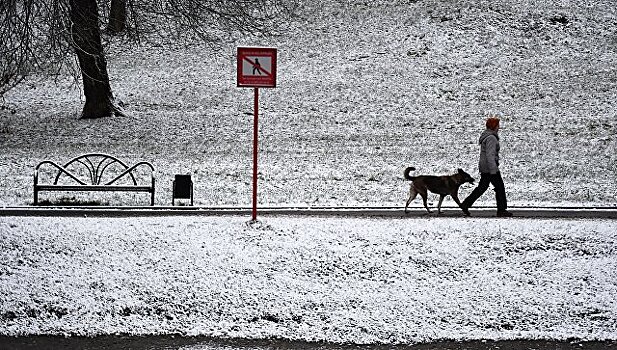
x: 442, y: 185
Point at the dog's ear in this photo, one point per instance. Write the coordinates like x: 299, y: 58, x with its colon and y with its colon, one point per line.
x: 460, y: 171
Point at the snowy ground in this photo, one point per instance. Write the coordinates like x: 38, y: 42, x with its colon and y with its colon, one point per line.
x: 364, y: 90
x: 337, y: 280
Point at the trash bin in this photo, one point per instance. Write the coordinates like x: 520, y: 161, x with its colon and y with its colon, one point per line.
x: 182, y: 188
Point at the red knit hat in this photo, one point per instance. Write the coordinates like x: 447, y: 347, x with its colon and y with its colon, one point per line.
x: 492, y: 123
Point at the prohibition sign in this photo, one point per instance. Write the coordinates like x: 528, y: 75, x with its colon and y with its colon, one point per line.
x: 256, y: 68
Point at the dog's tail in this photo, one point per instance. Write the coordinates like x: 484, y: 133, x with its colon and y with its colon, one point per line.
x: 407, y: 172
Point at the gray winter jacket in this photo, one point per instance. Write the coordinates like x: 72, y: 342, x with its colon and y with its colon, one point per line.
x: 489, y: 152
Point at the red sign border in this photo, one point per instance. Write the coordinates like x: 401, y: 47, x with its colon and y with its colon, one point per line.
x: 258, y: 82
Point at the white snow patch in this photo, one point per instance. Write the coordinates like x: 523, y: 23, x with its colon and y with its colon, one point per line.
x: 346, y: 280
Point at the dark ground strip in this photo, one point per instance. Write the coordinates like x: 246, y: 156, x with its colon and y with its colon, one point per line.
x: 201, y: 343
x: 383, y: 212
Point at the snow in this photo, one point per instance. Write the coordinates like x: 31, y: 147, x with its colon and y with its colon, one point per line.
x: 344, y: 280
x: 365, y: 89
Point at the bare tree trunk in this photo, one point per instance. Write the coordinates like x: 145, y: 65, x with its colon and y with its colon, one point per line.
x: 117, y: 17
x: 86, y: 37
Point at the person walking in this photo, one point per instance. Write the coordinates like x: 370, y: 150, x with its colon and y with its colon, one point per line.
x: 489, y: 170
x: 257, y: 67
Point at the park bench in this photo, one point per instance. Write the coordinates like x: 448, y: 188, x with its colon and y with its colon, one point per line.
x: 94, y: 172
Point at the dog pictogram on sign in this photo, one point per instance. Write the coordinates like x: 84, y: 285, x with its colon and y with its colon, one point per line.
x: 256, y: 67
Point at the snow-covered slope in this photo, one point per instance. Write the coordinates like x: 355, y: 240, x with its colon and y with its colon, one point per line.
x: 365, y: 89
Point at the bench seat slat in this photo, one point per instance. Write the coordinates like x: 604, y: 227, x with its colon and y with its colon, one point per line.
x: 98, y: 188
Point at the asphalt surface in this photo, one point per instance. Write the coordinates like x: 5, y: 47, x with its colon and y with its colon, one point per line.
x: 368, y: 212
x: 200, y: 343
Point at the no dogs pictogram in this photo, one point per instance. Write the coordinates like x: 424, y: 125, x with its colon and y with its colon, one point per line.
x: 256, y: 67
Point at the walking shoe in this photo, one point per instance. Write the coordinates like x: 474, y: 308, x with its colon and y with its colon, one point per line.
x: 504, y: 214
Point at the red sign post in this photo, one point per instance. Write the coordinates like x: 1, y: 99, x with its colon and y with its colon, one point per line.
x: 256, y: 68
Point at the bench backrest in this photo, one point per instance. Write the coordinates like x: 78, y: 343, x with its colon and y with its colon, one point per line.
x: 96, y: 169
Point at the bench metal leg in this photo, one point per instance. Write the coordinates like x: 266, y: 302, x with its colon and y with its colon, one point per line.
x: 152, y: 197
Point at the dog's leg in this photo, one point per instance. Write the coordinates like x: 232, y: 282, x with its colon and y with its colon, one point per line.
x: 412, y: 195
x: 460, y: 205
x: 441, y: 197
x: 424, y: 197
x: 454, y: 196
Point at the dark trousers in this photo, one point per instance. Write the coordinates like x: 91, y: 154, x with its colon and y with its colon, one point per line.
x: 485, y: 180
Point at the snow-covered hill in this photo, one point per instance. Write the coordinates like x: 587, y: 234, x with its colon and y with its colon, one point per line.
x: 365, y: 89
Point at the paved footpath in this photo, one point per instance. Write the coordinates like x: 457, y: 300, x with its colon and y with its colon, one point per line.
x: 376, y: 212
x: 204, y: 343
